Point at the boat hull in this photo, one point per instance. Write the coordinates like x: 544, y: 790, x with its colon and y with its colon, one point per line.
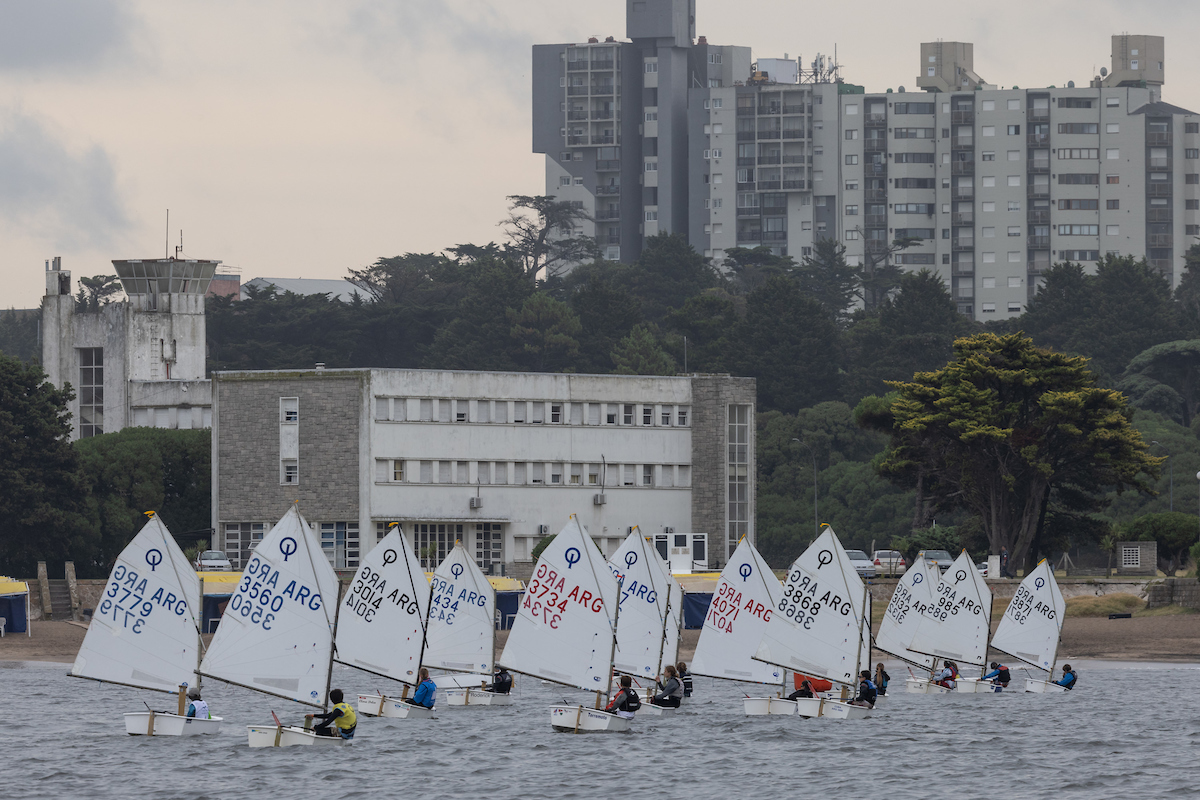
x: 288, y: 736
x: 476, y: 697
x: 373, y: 705
x: 1043, y: 687
x: 651, y: 710
x: 768, y: 706
x: 462, y: 680
x: 812, y: 707
x: 577, y: 719
x: 137, y: 723
x: 922, y: 686
x: 975, y: 686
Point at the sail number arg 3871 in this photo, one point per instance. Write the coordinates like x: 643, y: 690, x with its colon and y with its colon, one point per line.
x: 259, y: 598
x: 548, y: 598
x: 727, y: 605
x: 125, y: 599
x: 1022, y: 606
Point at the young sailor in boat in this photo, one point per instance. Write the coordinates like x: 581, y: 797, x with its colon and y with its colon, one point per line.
x: 339, y: 720
x: 1069, y: 677
x: 626, y: 700
x: 501, y: 682
x: 867, y: 693
x: 805, y: 690
x: 999, y: 675
x: 426, y: 693
x: 670, y: 689
x: 948, y: 677
x: 196, y: 707
x: 881, y: 678
x: 686, y: 677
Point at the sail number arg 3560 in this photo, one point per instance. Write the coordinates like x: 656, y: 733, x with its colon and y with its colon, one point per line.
x: 369, y: 591
x: 801, y: 603
x: 548, y: 597
x: 727, y: 605
x: 125, y: 599
x: 259, y: 598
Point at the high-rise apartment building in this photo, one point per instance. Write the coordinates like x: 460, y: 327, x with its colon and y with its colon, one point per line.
x: 992, y: 185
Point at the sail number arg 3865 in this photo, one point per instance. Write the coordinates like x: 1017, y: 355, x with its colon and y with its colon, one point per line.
x: 125, y: 600
x: 259, y: 597
x: 548, y: 597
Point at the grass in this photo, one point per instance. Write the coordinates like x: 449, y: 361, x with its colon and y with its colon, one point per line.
x: 1103, y: 605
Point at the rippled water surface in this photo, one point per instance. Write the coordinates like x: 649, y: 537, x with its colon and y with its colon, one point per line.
x: 1127, y: 731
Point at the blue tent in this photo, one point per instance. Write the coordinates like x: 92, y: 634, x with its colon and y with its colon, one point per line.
x: 695, y: 609
x: 14, y: 606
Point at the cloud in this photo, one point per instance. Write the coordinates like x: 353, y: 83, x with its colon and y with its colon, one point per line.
x: 70, y: 199
x: 69, y: 34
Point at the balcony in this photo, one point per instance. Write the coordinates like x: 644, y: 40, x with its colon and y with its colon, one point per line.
x: 769, y: 111
x: 1158, y: 163
x: 796, y: 160
x: 1037, y: 114
x: 1037, y: 268
x: 608, y: 190
x: 964, y: 193
x: 745, y: 111
x: 962, y: 142
x: 608, y: 214
x: 964, y: 293
x: 1039, y: 216
x: 1037, y: 139
x: 875, y: 144
x: 1158, y: 215
x: 962, y: 167
x: 962, y: 270
x: 962, y: 218
x: 794, y: 134
x: 1163, y: 265
x: 1037, y: 242
x: 1037, y: 167
x: 793, y: 186
x: 961, y: 244
x: 612, y: 238
x: 577, y: 115
x: 603, y: 63
x: 745, y: 186
x: 774, y: 236
x: 877, y: 119
x: 963, y: 117
x: 1159, y: 240
x: 875, y: 170
x: 574, y: 140
x: 875, y: 220
x: 767, y: 186
x: 876, y: 195
x: 576, y: 66
x: 608, y: 165
x: 600, y: 113
x: 767, y: 135
x: 1158, y: 189
x: 602, y: 88
x: 1158, y: 139
x: 603, y: 140
x: 577, y: 91
x: 749, y: 236
x: 876, y: 246
x: 748, y: 211
x: 793, y: 109
x: 745, y: 136
x: 765, y: 160
x: 1037, y: 190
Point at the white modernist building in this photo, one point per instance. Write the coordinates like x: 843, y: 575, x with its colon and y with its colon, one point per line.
x: 493, y: 459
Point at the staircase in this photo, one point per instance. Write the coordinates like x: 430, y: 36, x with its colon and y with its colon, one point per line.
x: 60, y: 601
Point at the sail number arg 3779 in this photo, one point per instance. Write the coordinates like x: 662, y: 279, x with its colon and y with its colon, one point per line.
x: 259, y: 598
x: 125, y: 599
x: 727, y: 605
x: 548, y: 598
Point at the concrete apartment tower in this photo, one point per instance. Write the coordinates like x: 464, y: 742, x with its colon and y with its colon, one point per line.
x: 139, y: 362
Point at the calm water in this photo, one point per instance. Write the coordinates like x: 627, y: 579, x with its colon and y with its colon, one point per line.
x: 1127, y: 731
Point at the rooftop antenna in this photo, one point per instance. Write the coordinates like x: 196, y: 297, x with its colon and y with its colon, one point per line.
x: 167, y: 237
x: 179, y: 249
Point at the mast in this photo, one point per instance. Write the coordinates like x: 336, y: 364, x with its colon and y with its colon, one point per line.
x: 612, y: 651
x: 662, y: 644
x: 332, y: 648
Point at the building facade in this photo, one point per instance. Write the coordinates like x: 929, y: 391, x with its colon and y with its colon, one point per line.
x: 138, y: 362
x: 494, y: 460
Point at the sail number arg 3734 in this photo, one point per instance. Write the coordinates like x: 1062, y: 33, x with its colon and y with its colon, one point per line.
x: 259, y: 597
x: 369, y: 591
x: 125, y: 599
x: 801, y: 602
x: 727, y: 605
x: 548, y: 597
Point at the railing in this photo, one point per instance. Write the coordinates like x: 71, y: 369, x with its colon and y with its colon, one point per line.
x: 963, y: 244
x: 874, y: 169
x: 575, y: 91
x: 766, y: 186
x: 793, y: 109
x: 962, y: 218
x: 795, y: 159
x: 874, y: 144
x: 745, y: 111
x: 613, y: 238
x: 1037, y: 114
x: 964, y: 192
x: 774, y: 236
x: 577, y: 115
x: 768, y: 134
x: 749, y: 236
x: 794, y: 134
x: 794, y: 185
x: 1034, y: 139
x: 1159, y: 240
x: 1158, y: 215
x: 962, y: 142
x: 876, y: 195
x: 608, y: 190
x: 877, y: 119
x: 1037, y: 190
x: 608, y: 214
x: 604, y: 63
x: 745, y: 136
x: 602, y: 140
x: 766, y: 111
x: 745, y: 186
x: 603, y: 88
x: 1038, y: 216
x: 577, y: 66
x: 1163, y: 265
x: 962, y: 270
x: 577, y: 140
x: 747, y: 211
x: 964, y: 294
x: 875, y: 221
x: 1158, y: 139
x: 601, y: 114
x: 1037, y: 242
x: 765, y: 160
x: 962, y: 117
x: 1037, y: 268
x: 1037, y: 167
x: 608, y: 165
x: 962, y: 167
x: 1160, y: 189
x: 877, y: 246
x: 1158, y: 163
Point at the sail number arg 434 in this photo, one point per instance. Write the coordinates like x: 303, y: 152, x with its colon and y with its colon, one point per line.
x: 727, y: 605
x: 259, y: 597
x: 548, y: 597
x: 368, y: 592
x: 125, y: 599
x: 801, y: 603
x: 446, y: 600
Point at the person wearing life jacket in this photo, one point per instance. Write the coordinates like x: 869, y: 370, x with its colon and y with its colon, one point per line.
x: 426, y: 693
x: 501, y: 682
x: 196, y: 707
x: 805, y: 690
x: 867, y: 692
x: 625, y: 702
x: 685, y: 677
x: 1069, y: 677
x: 340, y: 720
x: 999, y: 675
x: 881, y: 678
x: 670, y: 689
x: 948, y: 676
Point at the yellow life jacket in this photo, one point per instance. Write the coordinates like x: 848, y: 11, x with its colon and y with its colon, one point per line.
x: 348, y: 719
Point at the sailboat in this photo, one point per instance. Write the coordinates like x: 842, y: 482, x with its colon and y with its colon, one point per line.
x: 276, y: 636
x: 820, y: 627
x: 383, y: 631
x: 565, y: 630
x: 648, y: 636
x: 746, y: 597
x: 462, y: 629
x: 146, y: 631
x: 957, y: 624
x: 1030, y: 628
x: 913, y: 591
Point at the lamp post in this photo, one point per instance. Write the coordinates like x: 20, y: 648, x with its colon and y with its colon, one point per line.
x: 1171, y: 470
x: 816, y: 516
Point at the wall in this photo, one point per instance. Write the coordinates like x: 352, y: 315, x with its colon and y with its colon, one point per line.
x: 1174, y: 591
x: 711, y: 395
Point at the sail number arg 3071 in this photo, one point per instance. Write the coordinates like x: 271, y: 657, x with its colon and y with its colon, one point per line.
x: 259, y: 597
x: 548, y: 597
x: 727, y: 605
x: 369, y: 591
x: 801, y: 603
x: 125, y: 599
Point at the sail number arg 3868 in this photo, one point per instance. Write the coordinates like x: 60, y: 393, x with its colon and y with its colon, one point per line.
x: 259, y: 598
x: 548, y: 598
x: 801, y: 602
x: 125, y: 600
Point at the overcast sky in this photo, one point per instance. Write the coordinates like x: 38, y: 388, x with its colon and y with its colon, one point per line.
x: 308, y: 137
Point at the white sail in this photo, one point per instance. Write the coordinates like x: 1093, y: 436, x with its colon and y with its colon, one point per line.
x: 565, y: 627
x: 914, y: 591
x: 1031, y: 624
x: 381, y: 626
x: 145, y: 632
x: 277, y: 631
x: 745, y: 601
x: 645, y: 616
x: 956, y: 624
x: 462, y: 616
x: 818, y: 629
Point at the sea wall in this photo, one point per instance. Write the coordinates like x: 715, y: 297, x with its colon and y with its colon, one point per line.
x: 1174, y: 591
x: 882, y: 588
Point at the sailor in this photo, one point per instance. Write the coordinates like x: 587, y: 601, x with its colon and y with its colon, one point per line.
x: 501, y: 682
x: 867, y: 693
x: 947, y: 675
x: 682, y: 671
x: 1069, y: 677
x: 626, y: 701
x: 670, y: 692
x: 196, y: 707
x: 426, y: 694
x: 999, y: 675
x: 338, y: 721
x: 881, y: 678
x: 805, y: 690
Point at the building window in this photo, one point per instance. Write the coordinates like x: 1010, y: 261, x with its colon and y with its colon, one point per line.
x: 489, y: 545
x: 1192, y: 230
x: 1190, y: 205
x: 738, y: 470
x: 1074, y: 153
x: 851, y: 236
x: 647, y: 475
x: 339, y: 542
x: 681, y: 416
x: 1112, y: 153
x: 1014, y: 282
x: 1191, y: 127
x: 1014, y: 130
x: 627, y: 416
x: 576, y: 475
x: 1014, y: 308
x: 433, y: 541
x: 851, y: 160
x: 556, y: 474
x: 666, y: 416
x: 647, y: 415
x: 627, y: 475
x: 289, y: 471
x: 852, y: 211
x: 988, y: 308
x: 1014, y: 230
x: 1191, y: 152
x: 1131, y: 557
x: 1112, y: 230
x: 556, y: 412
x: 91, y: 391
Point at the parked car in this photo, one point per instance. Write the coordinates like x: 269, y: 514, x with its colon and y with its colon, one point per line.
x: 890, y: 562
x: 942, y: 558
x: 213, y: 561
x: 862, y: 562
x: 983, y: 568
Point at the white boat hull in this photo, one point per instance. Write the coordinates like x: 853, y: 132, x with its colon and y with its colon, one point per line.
x: 476, y: 697
x: 651, y: 710
x: 373, y: 705
x: 922, y: 686
x: 137, y: 723
x: 577, y: 719
x: 975, y: 686
x: 1043, y: 687
x: 812, y: 707
x: 764, y: 706
x: 287, y: 736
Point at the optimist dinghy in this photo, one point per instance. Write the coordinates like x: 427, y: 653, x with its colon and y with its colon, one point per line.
x: 276, y: 636
x: 565, y: 630
x: 1031, y: 626
x: 956, y: 624
x: 146, y: 631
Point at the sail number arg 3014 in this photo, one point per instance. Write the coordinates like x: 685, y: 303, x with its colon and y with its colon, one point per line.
x: 369, y: 591
x: 125, y: 600
x: 446, y: 600
x: 259, y: 597
x: 801, y: 603
x: 548, y: 597
x: 727, y: 606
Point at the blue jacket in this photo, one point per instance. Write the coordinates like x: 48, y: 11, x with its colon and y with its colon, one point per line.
x: 1068, y: 680
x: 426, y: 694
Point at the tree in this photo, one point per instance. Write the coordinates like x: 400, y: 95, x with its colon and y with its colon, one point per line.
x: 546, y: 330
x: 827, y: 277
x: 477, y: 332
x: 709, y: 323
x: 541, y: 235
x: 607, y: 311
x: 96, y: 292
x: 1166, y: 378
x: 668, y: 272
x: 19, y: 334
x: 41, y: 487
x: 1174, y: 533
x: 1006, y: 424
x: 880, y: 274
x: 640, y: 354
x: 1187, y: 293
x: 750, y: 267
